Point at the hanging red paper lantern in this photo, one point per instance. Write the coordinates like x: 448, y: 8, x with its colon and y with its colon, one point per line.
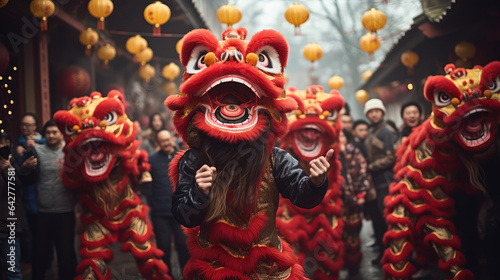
x: 73, y: 81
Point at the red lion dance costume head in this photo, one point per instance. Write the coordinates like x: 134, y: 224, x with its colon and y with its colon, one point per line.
x: 438, y: 161
x: 316, y: 232
x: 103, y: 163
x: 232, y: 101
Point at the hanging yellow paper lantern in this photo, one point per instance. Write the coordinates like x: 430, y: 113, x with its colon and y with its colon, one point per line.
x: 312, y: 52
x: 136, y: 44
x: 297, y: 14
x: 3, y: 3
x: 409, y: 59
x: 178, y: 46
x: 366, y: 75
x: 147, y: 72
x: 373, y: 20
x: 229, y: 14
x: 171, y: 71
x: 42, y: 9
x: 465, y: 50
x: 89, y: 37
x: 106, y: 53
x: 157, y: 14
x: 100, y: 9
x: 144, y: 56
x: 170, y: 88
x: 460, y: 63
x: 369, y: 43
x: 336, y: 82
x: 362, y: 96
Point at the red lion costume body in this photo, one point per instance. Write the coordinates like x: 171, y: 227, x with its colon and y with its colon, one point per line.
x: 102, y: 162
x: 316, y: 232
x: 438, y: 160
x: 230, y: 110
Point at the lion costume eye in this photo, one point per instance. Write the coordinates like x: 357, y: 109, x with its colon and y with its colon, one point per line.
x: 269, y: 60
x: 332, y: 116
x: 197, y: 61
x: 441, y: 98
x: 495, y: 85
x: 110, y: 118
x: 69, y: 130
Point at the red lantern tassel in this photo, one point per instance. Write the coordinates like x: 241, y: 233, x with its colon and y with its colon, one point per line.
x: 106, y: 64
x: 43, y: 25
x: 100, y: 24
x: 410, y: 71
x: 157, y: 30
x: 87, y: 50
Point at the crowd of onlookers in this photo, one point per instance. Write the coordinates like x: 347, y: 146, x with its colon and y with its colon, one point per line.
x: 46, y: 209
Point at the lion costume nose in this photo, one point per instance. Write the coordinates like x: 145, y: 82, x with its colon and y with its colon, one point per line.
x: 232, y: 54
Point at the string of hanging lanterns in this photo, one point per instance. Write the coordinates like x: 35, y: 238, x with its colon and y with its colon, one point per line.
x: 372, y: 20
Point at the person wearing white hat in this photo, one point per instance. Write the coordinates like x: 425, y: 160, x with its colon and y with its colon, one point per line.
x: 380, y: 152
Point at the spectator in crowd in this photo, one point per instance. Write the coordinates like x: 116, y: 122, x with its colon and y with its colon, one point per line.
x: 55, y: 222
x: 380, y: 150
x: 156, y: 124
x: 347, y: 122
x: 411, y: 113
x: 346, y: 110
x: 355, y: 189
x: 11, y: 212
x: 23, y: 154
x: 360, y: 132
x: 164, y: 224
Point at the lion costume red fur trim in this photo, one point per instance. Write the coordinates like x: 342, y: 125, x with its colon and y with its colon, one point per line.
x: 438, y: 158
x: 102, y: 162
x: 314, y: 129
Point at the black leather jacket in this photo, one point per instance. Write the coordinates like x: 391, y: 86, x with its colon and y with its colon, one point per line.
x: 190, y: 205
